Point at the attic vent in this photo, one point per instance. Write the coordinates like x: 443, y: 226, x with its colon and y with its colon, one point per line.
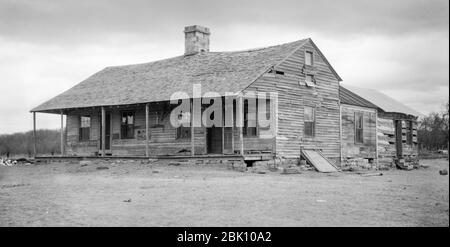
x: 278, y: 72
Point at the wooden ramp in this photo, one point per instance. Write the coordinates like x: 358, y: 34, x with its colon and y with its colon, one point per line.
x: 316, y: 159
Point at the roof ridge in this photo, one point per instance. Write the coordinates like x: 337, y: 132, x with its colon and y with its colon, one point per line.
x: 206, y: 53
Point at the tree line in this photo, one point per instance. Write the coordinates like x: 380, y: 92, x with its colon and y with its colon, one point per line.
x: 48, y: 142
x: 433, y: 130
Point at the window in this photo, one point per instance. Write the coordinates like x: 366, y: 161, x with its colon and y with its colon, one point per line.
x: 183, y: 132
x: 409, y: 134
x: 127, y: 125
x: 310, y: 80
x: 309, y: 58
x: 359, y: 124
x: 249, y: 120
x: 309, y: 116
x: 85, y: 128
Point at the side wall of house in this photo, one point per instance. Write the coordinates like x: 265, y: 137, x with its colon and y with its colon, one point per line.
x: 350, y: 148
x: 294, y: 95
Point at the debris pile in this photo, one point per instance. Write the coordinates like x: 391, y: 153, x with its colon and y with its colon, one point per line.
x: 12, y: 162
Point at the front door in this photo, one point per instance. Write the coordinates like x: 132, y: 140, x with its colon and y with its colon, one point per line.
x: 214, y: 140
x: 107, y: 132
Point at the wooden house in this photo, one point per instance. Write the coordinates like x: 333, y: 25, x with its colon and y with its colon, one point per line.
x: 377, y: 129
x: 125, y: 110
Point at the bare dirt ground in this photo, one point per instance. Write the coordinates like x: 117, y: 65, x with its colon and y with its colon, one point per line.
x: 134, y: 194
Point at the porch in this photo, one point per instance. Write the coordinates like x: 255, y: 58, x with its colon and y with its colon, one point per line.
x: 143, y: 131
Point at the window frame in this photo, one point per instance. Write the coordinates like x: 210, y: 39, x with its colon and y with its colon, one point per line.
x: 81, y: 131
x: 312, y: 122
x: 359, y: 121
x: 127, y: 136
x: 311, y: 83
x: 183, y: 133
x: 312, y: 57
x: 245, y: 128
x: 181, y: 130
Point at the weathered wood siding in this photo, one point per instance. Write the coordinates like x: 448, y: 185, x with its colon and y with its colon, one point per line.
x: 73, y: 145
x: 387, y: 139
x: 293, y: 95
x: 350, y: 148
x: 162, y: 137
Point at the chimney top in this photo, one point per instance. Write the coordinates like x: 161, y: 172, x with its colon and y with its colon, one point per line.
x: 196, y: 28
x: 196, y: 39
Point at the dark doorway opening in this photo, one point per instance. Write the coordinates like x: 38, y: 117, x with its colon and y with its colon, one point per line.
x: 107, y: 132
x: 214, y: 140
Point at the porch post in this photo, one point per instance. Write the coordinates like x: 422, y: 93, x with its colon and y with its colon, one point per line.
x: 146, y: 129
x: 241, y: 120
x: 62, y: 133
x: 34, y: 135
x: 192, y: 129
x: 232, y: 128
x: 376, y: 137
x: 103, y: 131
x: 223, y: 124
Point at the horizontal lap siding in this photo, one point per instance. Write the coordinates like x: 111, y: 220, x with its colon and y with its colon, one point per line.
x: 350, y: 149
x: 162, y: 139
x: 292, y: 98
x: 73, y: 144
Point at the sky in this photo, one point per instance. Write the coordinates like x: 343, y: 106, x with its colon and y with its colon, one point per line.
x: 400, y: 47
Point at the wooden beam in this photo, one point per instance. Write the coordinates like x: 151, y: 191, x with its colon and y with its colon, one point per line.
x: 223, y: 129
x: 192, y: 129
x: 241, y: 120
x: 62, y: 133
x: 34, y: 135
x: 103, y: 147
x: 341, y: 147
x: 147, y: 139
x: 232, y: 129
x: 376, y: 137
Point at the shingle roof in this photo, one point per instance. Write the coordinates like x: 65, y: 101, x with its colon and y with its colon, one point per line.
x: 156, y: 81
x: 382, y: 101
x: 348, y: 97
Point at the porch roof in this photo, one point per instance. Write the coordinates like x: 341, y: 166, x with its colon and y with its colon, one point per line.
x: 156, y: 81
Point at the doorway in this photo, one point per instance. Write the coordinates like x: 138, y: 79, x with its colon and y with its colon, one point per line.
x: 107, y: 132
x: 214, y: 140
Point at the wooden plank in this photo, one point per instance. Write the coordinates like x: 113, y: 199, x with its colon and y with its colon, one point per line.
x: 103, y: 123
x: 62, y: 133
x: 241, y: 119
x: 146, y: 129
x: 34, y: 135
x: 318, y: 161
x: 192, y: 129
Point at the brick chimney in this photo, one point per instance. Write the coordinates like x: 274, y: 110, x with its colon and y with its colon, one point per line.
x: 196, y: 39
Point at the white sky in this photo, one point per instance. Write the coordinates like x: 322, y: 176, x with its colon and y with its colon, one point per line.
x: 399, y: 47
